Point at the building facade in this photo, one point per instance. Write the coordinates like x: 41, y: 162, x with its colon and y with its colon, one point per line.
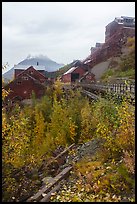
x: 119, y: 22
x: 25, y: 83
x: 18, y: 69
x: 73, y: 74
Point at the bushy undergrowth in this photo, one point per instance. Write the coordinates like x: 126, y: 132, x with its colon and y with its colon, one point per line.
x: 62, y: 119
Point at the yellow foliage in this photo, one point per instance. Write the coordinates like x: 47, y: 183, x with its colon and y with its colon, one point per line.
x: 86, y: 122
x: 58, y: 90
x: 72, y: 130
x: 125, y: 137
x: 87, y: 167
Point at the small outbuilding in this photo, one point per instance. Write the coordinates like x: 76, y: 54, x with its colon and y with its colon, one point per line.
x: 73, y: 74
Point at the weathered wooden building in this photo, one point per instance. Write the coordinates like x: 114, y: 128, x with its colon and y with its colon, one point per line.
x: 18, y: 69
x: 119, y: 22
x: 37, y: 74
x: 73, y: 74
x: 116, y: 35
x: 97, y: 46
x: 28, y: 81
x: 115, y: 39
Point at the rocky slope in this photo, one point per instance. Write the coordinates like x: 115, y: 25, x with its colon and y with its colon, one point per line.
x: 112, y: 50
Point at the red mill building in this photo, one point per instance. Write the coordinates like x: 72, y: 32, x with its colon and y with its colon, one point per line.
x: 116, y: 36
x: 114, y: 26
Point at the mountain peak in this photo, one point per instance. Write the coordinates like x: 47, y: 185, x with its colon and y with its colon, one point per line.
x: 33, y: 60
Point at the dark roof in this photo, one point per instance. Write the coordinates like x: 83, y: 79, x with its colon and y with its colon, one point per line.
x: 39, y: 73
x: 24, y: 67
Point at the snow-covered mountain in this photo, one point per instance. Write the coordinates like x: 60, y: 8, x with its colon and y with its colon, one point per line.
x: 40, y: 60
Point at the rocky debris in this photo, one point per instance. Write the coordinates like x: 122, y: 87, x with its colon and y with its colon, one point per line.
x: 87, y: 149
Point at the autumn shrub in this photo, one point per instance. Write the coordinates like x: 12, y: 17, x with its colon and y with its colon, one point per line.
x: 104, y: 122
x: 59, y: 125
x: 58, y: 91
x: 23, y: 136
x: 39, y: 134
x: 86, y: 122
x: 45, y: 106
x: 76, y: 102
x: 62, y: 129
x: 125, y: 137
x: 67, y: 119
x: 109, y: 175
x: 15, y: 145
x: 57, y: 119
x: 115, y: 123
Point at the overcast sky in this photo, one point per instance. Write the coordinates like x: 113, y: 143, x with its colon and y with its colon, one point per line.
x: 63, y: 31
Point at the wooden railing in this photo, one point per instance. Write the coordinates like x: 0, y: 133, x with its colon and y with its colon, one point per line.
x: 93, y: 91
x: 118, y: 88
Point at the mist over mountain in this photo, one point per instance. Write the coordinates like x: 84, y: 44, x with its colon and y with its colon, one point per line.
x: 41, y: 60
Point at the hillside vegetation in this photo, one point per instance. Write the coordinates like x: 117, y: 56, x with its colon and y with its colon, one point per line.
x: 126, y: 66
x: 60, y: 119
